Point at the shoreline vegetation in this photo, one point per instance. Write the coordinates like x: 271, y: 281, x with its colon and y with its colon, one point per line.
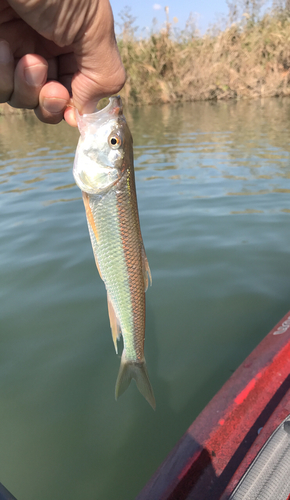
x: 245, y: 56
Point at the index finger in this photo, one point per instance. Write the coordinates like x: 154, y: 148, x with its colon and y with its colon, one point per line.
x: 6, y: 71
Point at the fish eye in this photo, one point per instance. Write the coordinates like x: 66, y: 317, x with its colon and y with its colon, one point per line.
x: 114, y: 141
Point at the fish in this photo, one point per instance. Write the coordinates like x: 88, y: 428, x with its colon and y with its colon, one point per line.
x: 104, y: 171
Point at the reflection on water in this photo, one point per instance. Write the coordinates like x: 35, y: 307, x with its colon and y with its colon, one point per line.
x: 218, y: 148
x: 213, y: 189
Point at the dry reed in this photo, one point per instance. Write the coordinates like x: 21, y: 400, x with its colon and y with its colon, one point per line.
x: 247, y: 59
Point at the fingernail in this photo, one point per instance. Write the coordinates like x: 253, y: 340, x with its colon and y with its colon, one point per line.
x: 35, y: 75
x: 5, y: 52
x: 54, y: 105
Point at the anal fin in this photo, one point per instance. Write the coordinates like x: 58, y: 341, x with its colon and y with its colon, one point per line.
x: 114, y: 323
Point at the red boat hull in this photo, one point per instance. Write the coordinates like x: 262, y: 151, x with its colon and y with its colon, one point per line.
x: 212, y: 456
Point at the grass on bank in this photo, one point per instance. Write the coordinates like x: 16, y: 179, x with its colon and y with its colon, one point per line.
x: 249, y: 58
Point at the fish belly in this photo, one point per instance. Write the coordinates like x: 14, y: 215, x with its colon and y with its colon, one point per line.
x: 117, y: 247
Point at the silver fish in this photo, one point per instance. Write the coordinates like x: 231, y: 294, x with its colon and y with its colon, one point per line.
x: 104, y: 171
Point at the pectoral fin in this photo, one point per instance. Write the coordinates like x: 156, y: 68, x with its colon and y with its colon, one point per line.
x: 146, y: 270
x: 89, y: 215
x: 92, y: 226
x: 114, y: 323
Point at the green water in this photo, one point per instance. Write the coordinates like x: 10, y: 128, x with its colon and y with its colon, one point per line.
x: 213, y: 183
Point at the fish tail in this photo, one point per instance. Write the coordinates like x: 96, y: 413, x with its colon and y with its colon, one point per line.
x: 137, y: 371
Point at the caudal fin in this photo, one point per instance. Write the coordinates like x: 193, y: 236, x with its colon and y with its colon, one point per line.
x: 138, y: 372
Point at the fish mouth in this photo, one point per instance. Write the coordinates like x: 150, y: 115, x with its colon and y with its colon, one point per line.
x: 113, y: 109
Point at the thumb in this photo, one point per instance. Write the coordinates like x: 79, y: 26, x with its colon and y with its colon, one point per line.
x: 101, y: 72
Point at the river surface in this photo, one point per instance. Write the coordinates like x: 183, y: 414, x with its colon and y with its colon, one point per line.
x: 213, y: 184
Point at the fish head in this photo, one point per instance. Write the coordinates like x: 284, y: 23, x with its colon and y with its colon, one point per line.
x: 103, y: 145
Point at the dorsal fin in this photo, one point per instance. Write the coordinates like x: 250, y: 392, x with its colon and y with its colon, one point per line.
x: 146, y: 269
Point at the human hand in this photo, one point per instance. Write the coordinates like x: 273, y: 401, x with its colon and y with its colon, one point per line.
x: 49, y: 49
